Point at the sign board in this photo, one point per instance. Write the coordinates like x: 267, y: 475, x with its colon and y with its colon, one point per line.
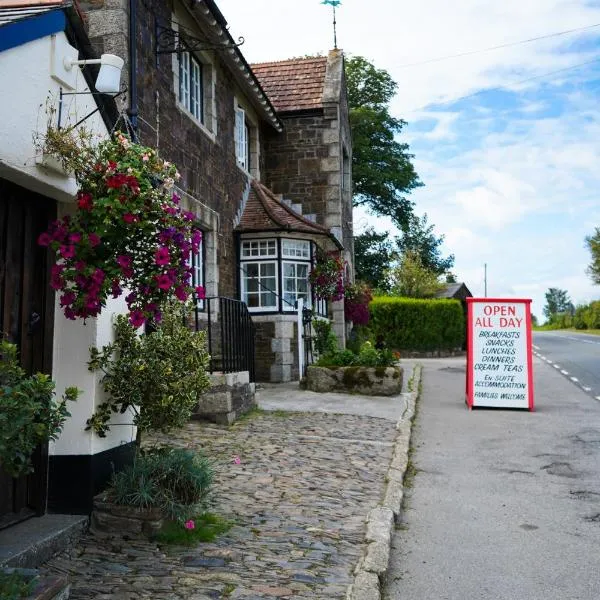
x: 499, y: 359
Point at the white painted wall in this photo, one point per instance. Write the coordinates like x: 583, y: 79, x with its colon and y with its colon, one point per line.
x: 27, y: 87
x: 32, y: 75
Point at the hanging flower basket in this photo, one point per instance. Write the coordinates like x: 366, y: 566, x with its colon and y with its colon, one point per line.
x: 356, y: 303
x: 128, y: 232
x: 327, y: 276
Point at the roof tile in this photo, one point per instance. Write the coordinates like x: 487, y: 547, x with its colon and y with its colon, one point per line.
x: 294, y: 84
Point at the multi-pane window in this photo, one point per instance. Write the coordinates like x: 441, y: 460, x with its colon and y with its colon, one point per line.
x: 295, y: 284
x: 197, y: 263
x: 191, y: 95
x: 259, y: 284
x: 259, y: 249
x: 242, y: 139
x: 295, y: 249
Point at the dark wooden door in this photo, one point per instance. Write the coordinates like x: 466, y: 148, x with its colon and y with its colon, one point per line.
x: 27, y: 319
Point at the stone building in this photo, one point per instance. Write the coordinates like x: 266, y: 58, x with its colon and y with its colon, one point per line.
x: 227, y: 124
x: 266, y: 173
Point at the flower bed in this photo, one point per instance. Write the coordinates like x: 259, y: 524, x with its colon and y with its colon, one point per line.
x: 368, y: 381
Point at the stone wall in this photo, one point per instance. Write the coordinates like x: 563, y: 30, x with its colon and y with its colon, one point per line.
x: 276, y: 347
x: 209, y: 171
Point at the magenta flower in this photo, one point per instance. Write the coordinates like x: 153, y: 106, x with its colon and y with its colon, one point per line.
x: 44, y: 239
x: 181, y: 293
x: 67, y: 251
x: 124, y: 261
x: 137, y: 318
x: 75, y: 238
x: 189, y: 524
x: 200, y: 292
x: 70, y: 314
x: 176, y: 198
x: 164, y: 282
x: 188, y: 216
x: 67, y: 299
x: 93, y: 239
x: 237, y: 460
x: 129, y: 218
x: 98, y: 276
x: 162, y: 256
x: 116, y: 289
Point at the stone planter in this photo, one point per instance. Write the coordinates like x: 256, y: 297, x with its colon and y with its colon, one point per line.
x: 368, y: 381
x: 45, y: 587
x: 108, y: 517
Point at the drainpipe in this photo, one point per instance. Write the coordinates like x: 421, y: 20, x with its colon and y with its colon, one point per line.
x: 133, y: 97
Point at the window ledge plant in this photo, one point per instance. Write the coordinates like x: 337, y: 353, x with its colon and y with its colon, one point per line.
x: 327, y: 276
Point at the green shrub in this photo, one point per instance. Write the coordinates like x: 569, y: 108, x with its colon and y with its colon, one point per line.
x: 592, y: 315
x: 29, y: 413
x: 174, y: 480
x: 368, y: 356
x: 158, y: 375
x: 15, y: 585
x: 417, y: 324
x: 325, y: 341
x: 205, y: 528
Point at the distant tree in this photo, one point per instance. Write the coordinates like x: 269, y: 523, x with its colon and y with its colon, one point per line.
x: 534, y: 321
x: 382, y: 169
x: 593, y: 244
x: 373, y: 256
x: 451, y: 278
x: 419, y: 237
x: 413, y: 279
x: 557, y: 302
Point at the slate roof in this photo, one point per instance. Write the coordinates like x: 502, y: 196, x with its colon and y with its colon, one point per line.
x: 294, y: 84
x: 452, y: 289
x: 264, y: 212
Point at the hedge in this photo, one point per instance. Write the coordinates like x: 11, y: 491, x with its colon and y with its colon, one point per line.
x: 415, y: 324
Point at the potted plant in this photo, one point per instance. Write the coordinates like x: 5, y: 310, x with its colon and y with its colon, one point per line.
x: 327, y: 276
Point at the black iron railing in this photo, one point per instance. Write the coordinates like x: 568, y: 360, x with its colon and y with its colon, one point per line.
x: 230, y: 335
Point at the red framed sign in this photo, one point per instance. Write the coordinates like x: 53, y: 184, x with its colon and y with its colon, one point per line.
x: 499, y: 353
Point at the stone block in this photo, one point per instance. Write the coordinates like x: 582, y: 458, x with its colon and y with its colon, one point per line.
x: 280, y: 345
x: 368, y: 381
x: 281, y: 373
x: 331, y: 136
x: 377, y: 558
x: 330, y: 165
x: 284, y: 329
x: 214, y: 402
x: 365, y: 587
x: 379, y: 525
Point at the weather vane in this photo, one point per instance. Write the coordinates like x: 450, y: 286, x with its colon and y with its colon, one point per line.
x: 333, y: 4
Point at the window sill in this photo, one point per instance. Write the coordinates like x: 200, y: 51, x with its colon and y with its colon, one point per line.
x: 203, y: 128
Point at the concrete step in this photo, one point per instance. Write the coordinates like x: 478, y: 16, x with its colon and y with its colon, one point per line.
x: 34, y: 541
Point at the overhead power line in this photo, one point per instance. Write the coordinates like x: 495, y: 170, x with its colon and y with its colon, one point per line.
x: 499, y: 47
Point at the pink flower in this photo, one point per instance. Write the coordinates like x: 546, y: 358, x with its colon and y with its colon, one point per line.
x: 189, y: 524
x: 44, y: 239
x: 162, y: 256
x: 164, y: 282
x: 181, y: 293
x: 116, y: 288
x: 75, y: 238
x: 124, y: 261
x: 145, y: 157
x: 200, y: 292
x: 93, y: 239
x: 129, y: 218
x: 67, y: 251
x: 67, y: 299
x: 237, y: 460
x: 137, y: 318
x: 188, y: 216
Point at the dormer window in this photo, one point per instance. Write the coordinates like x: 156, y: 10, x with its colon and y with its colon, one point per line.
x: 242, y: 139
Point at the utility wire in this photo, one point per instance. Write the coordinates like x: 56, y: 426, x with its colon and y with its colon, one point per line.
x: 507, y: 85
x: 491, y: 48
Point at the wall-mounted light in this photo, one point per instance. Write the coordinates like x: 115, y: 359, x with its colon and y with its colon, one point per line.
x: 109, y: 76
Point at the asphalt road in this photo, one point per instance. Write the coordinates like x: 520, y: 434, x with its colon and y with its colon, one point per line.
x: 575, y: 355
x: 504, y: 504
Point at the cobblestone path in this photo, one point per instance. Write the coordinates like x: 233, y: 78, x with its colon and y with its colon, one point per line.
x: 299, y: 498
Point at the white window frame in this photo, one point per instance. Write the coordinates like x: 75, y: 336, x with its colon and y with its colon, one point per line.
x: 191, y: 86
x: 262, y: 292
x: 289, y: 304
x: 197, y: 264
x: 295, y: 249
x: 259, y: 248
x: 242, y: 139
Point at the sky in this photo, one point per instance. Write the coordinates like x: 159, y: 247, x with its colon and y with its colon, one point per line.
x: 506, y: 141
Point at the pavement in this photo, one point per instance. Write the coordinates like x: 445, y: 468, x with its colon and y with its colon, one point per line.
x: 503, y: 504
x: 312, y: 486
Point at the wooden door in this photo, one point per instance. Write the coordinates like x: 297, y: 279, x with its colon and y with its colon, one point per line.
x: 27, y: 319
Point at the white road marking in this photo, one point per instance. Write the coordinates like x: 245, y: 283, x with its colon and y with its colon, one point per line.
x: 536, y: 347
x: 564, y: 372
x: 542, y: 357
x: 574, y: 379
x: 556, y: 366
x: 597, y: 397
x: 586, y: 389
